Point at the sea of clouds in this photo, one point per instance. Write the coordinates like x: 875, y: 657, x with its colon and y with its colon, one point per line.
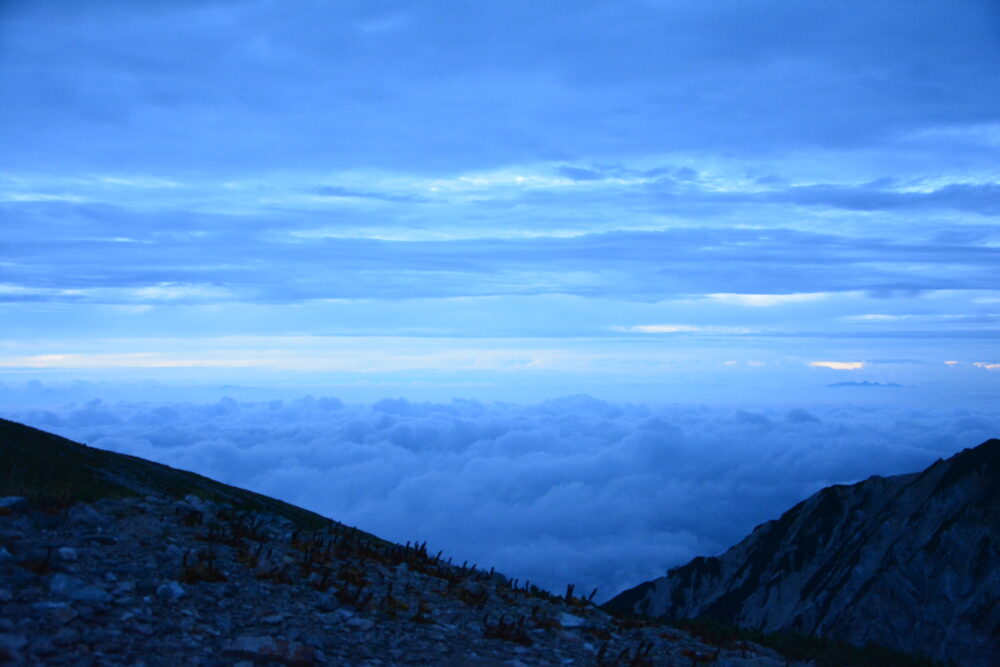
x: 573, y: 489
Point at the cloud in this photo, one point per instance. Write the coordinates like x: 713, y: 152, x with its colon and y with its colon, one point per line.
x: 979, y: 198
x: 838, y: 365
x: 659, y: 328
x: 574, y: 489
x: 122, y: 360
x: 174, y: 292
x: 876, y: 317
x: 363, y: 356
x: 257, y: 258
x: 764, y: 300
x: 580, y: 174
x: 337, y: 191
x: 798, y: 415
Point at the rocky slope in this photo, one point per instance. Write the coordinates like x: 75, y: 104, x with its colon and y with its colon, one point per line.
x: 911, y: 562
x: 112, y: 560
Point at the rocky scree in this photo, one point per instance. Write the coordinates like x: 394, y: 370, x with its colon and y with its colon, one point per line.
x: 161, y: 581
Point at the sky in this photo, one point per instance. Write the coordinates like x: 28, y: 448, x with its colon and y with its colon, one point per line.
x: 744, y: 207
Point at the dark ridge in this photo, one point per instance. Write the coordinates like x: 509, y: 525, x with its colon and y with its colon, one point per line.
x: 984, y: 460
x: 627, y: 599
x: 706, y: 566
x: 821, y: 522
x: 37, y: 464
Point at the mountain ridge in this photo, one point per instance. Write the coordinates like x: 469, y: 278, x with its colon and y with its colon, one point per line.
x: 38, y: 462
x: 908, y: 561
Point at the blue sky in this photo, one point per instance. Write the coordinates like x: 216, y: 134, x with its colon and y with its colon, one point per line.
x: 682, y: 200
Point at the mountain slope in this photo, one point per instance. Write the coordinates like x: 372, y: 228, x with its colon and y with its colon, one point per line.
x: 911, y: 562
x: 38, y: 463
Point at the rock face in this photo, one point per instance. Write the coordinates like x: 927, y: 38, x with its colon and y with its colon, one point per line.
x: 911, y: 562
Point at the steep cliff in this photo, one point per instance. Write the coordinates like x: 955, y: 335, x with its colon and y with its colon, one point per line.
x: 911, y: 562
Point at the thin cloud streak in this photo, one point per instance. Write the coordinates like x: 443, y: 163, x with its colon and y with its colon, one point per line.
x: 838, y: 365
x: 222, y: 262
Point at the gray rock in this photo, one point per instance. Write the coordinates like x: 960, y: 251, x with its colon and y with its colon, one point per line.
x: 475, y: 588
x: 361, y: 624
x: 343, y: 615
x: 76, y: 589
x: 124, y: 587
x: 568, y: 620
x: 65, y: 637
x: 46, y: 605
x: 143, y: 628
x: 170, y: 591
x: 86, y: 515
x: 268, y: 649
x: 68, y: 554
x: 42, y: 646
x: 63, y: 615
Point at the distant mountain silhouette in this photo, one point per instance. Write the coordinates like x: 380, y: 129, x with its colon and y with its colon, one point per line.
x: 911, y: 562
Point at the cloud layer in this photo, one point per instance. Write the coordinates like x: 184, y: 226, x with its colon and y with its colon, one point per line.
x: 567, y: 490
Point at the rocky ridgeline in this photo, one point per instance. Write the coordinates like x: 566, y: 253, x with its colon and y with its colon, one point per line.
x: 159, y: 581
x: 911, y: 562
